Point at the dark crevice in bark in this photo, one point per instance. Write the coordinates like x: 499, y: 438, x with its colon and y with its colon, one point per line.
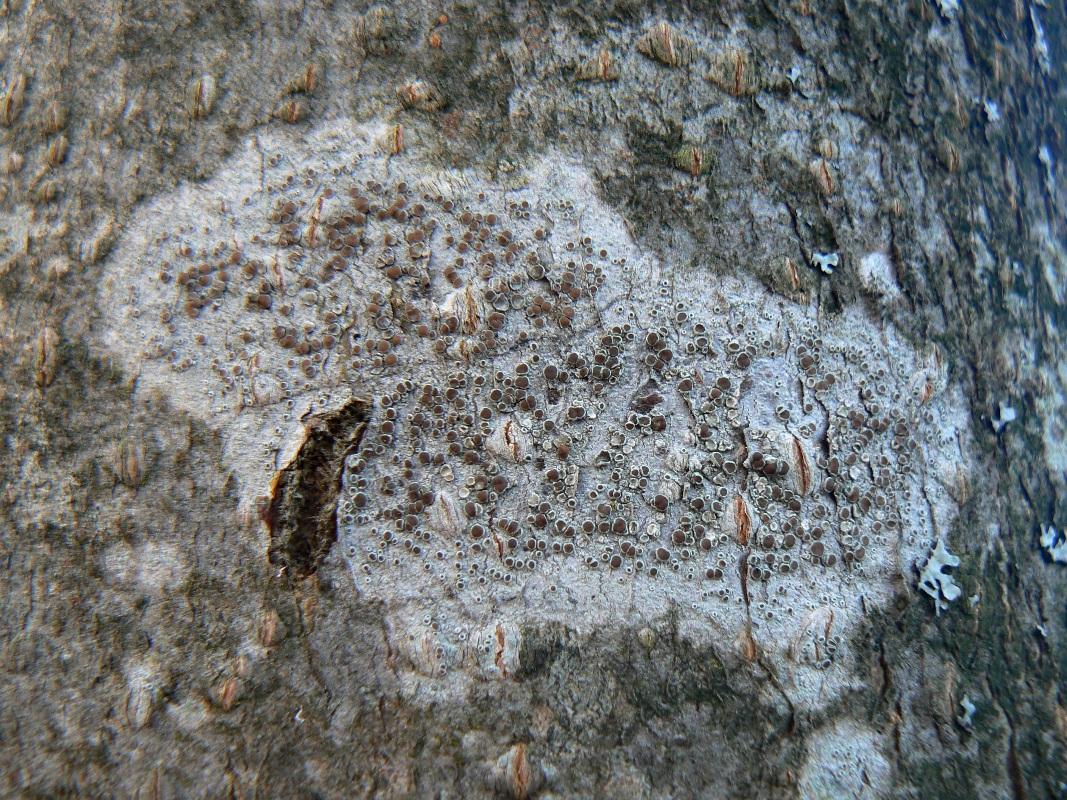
x: 302, y: 516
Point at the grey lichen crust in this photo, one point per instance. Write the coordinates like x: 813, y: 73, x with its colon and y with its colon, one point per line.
x: 564, y: 428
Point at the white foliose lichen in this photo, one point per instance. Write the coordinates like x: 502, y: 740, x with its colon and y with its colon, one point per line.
x: 1005, y: 414
x: 966, y: 719
x: 825, y: 261
x: 564, y: 427
x: 948, y: 8
x: 1054, y: 543
x: 935, y: 582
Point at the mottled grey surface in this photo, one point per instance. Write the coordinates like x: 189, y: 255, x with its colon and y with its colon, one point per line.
x: 151, y: 649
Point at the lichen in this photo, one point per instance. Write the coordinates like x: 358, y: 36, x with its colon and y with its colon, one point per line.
x: 937, y: 583
x: 1054, y: 543
x: 966, y: 719
x: 1005, y: 414
x: 825, y: 261
x: 564, y: 428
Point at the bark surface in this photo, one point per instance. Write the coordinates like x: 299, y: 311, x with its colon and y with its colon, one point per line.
x: 178, y: 617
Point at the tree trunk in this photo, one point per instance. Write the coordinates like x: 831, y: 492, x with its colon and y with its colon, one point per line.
x: 531, y: 400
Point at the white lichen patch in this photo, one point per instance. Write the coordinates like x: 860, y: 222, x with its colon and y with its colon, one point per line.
x: 966, y: 719
x: 847, y: 760
x: 825, y: 261
x: 1005, y: 414
x: 877, y: 277
x: 563, y: 428
x: 937, y: 583
x: 1055, y: 543
x: 948, y: 8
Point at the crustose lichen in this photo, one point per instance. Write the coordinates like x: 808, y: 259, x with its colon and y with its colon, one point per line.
x: 559, y: 426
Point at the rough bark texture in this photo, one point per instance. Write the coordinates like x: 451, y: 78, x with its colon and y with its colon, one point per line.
x: 151, y: 648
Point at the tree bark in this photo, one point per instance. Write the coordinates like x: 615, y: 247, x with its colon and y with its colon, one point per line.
x: 189, y: 605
